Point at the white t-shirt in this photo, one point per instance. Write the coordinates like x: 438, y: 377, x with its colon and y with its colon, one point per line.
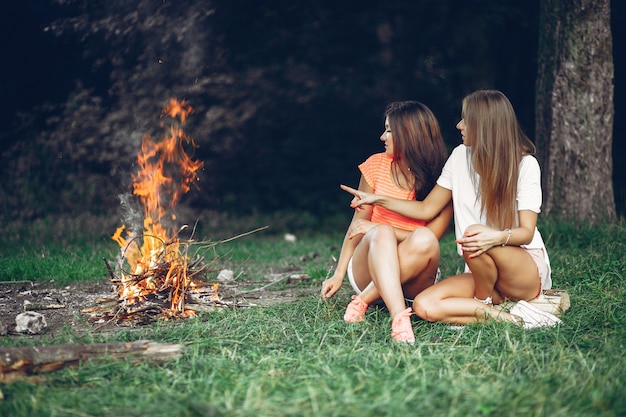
x: 457, y: 177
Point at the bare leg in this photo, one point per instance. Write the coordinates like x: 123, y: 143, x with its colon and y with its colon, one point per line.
x: 376, y: 260
x: 485, y: 274
x: 452, y: 301
x: 510, y: 270
x: 397, y: 270
x: 519, y: 277
x: 419, y: 261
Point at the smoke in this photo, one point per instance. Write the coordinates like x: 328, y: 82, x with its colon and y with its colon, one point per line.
x: 131, y: 213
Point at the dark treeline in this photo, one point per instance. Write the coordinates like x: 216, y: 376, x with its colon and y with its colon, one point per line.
x: 288, y: 96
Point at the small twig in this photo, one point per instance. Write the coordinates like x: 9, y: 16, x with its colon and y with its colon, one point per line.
x: 112, y: 319
x: 212, y: 244
x: 41, y: 306
x: 142, y: 309
x: 175, y: 237
x: 267, y: 285
x: 106, y: 262
x: 243, y: 234
x: 193, y: 231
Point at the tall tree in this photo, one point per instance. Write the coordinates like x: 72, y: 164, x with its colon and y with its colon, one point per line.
x: 574, y: 109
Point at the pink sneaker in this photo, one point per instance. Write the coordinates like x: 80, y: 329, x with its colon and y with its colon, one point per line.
x: 401, y: 329
x: 355, y: 312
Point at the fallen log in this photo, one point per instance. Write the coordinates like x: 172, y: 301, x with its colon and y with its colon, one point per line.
x: 26, y: 361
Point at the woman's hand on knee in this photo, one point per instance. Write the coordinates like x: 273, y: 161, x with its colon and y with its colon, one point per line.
x: 478, y: 239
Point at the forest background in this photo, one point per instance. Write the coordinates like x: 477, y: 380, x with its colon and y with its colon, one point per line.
x: 287, y: 96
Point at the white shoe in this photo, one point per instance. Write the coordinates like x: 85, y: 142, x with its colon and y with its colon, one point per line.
x: 532, y: 316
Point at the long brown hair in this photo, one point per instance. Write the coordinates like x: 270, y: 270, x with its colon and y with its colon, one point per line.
x: 417, y: 140
x: 497, y: 145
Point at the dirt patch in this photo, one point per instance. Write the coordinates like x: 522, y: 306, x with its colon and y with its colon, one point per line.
x: 64, y: 307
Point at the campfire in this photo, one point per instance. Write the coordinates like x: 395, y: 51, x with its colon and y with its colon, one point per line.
x: 155, y: 271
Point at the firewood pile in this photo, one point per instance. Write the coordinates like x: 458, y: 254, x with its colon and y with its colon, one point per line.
x: 171, y: 284
x: 168, y: 285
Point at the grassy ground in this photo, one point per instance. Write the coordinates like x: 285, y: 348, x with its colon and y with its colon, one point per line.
x: 301, y: 359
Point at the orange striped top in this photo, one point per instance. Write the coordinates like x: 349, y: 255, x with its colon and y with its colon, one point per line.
x: 377, y: 172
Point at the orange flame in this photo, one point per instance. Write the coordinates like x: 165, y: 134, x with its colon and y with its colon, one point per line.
x: 166, y: 172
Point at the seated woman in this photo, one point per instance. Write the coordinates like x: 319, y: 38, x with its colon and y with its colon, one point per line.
x: 388, y: 255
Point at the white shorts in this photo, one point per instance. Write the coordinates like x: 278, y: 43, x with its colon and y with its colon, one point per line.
x: 542, y: 265
x: 356, y: 289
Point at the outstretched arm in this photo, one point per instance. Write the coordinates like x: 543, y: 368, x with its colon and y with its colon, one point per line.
x: 351, y: 240
x: 425, y: 210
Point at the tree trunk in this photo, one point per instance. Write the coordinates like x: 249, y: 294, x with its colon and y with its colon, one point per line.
x: 574, y: 109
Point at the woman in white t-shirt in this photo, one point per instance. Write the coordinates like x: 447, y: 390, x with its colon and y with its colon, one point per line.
x: 494, y: 183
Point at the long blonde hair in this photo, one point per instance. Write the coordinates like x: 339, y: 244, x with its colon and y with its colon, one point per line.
x: 497, y: 145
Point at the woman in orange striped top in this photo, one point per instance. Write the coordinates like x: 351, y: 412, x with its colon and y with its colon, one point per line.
x: 384, y: 254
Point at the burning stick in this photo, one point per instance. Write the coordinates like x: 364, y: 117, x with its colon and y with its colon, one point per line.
x: 106, y: 262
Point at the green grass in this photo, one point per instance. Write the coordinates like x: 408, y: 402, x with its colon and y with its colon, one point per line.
x: 301, y: 359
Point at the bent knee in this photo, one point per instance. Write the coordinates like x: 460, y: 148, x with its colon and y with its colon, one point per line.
x: 422, y: 239
x: 474, y: 228
x: 381, y: 235
x: 426, y: 309
x: 381, y: 232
